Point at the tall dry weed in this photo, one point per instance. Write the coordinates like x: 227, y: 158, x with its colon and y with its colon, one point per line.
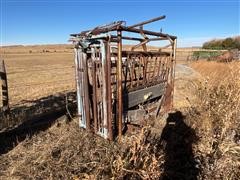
x: 219, y: 123
x: 65, y: 152
x: 141, y: 159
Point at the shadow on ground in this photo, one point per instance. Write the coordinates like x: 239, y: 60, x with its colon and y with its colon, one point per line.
x: 27, y: 120
x: 177, y: 139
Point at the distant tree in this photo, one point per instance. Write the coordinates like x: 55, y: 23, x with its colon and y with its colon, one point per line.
x: 228, y: 43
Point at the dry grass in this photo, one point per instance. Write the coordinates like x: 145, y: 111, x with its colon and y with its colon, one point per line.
x: 35, y: 75
x: 36, y: 79
x: 218, y: 123
x: 67, y: 152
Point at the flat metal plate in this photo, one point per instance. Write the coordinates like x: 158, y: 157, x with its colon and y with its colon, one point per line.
x: 140, y: 96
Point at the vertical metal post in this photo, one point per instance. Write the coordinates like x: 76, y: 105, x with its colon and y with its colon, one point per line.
x: 86, y: 101
x: 104, y: 130
x: 109, y: 91
x: 5, y: 97
x: 94, y: 83
x: 78, y: 86
x: 119, y: 84
x: 173, y: 66
x: 82, y: 88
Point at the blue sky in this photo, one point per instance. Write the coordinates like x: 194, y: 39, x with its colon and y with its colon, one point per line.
x: 51, y: 21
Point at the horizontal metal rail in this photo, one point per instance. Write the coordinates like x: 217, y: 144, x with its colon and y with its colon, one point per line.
x: 147, y: 22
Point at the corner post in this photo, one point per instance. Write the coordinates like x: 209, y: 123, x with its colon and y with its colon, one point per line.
x: 119, y: 84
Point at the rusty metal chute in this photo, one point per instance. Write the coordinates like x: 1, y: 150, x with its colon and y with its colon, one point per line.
x: 114, y: 83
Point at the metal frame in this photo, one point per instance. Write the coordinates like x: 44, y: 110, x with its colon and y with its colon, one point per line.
x: 107, y: 78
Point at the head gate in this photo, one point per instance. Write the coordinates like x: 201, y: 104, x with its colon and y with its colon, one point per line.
x: 119, y: 85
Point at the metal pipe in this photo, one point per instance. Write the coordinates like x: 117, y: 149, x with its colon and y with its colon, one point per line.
x: 79, y: 88
x: 94, y: 84
x: 123, y: 28
x: 173, y: 66
x: 109, y: 92
x: 147, y: 22
x: 85, y: 89
x: 134, y: 30
x: 119, y: 84
x: 104, y: 88
x: 157, y: 39
x: 140, y: 44
x: 79, y: 111
x: 128, y: 38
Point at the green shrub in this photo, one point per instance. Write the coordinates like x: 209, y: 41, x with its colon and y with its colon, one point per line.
x: 228, y: 43
x: 205, y: 54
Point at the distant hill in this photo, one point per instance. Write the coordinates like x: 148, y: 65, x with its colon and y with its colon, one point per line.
x: 50, y: 48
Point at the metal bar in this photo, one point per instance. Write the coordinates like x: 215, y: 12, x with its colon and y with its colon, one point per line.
x: 158, y: 39
x: 94, y: 95
x: 142, y: 33
x: 141, y: 69
x: 145, y: 62
x: 109, y: 92
x: 134, y: 30
x: 100, y: 29
x: 138, y: 73
x: 78, y: 87
x: 131, y: 69
x: 86, y: 92
x: 140, y: 44
x: 128, y: 38
x: 155, y: 66
x: 147, y: 22
x: 173, y: 67
x: 104, y: 88
x: 152, y: 33
x: 119, y: 85
x: 125, y: 53
x: 159, y: 65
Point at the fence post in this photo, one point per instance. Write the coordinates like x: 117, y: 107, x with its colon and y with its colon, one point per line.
x: 4, y: 88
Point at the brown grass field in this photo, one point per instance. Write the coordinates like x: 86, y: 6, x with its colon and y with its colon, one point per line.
x: 200, y: 139
x: 38, y: 74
